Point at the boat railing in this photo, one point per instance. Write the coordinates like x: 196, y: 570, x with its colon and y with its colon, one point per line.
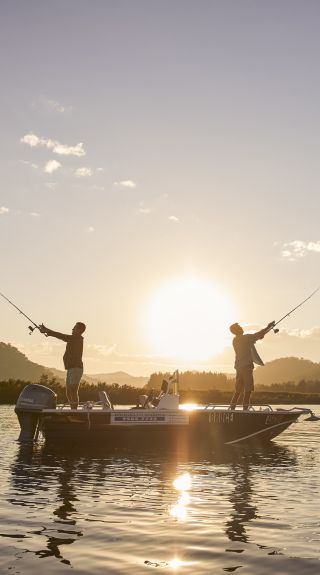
x: 263, y: 407
x: 84, y: 406
x: 306, y: 410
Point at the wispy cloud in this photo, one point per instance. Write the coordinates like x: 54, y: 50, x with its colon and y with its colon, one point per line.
x: 313, y: 332
x: 298, y: 249
x: 49, y: 105
x: 90, y: 229
x: 3, y: 210
x: 143, y: 209
x: 54, y: 106
x: 51, y: 185
x: 173, y: 219
x: 30, y: 164
x: 101, y: 349
x: 83, y: 172
x: 97, y: 353
x: 34, y: 214
x: 126, y: 184
x: 52, y: 166
x: 57, y: 148
x: 64, y: 150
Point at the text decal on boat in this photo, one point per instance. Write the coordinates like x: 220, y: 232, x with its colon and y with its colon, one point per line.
x: 131, y: 417
x: 217, y: 417
x: 274, y: 418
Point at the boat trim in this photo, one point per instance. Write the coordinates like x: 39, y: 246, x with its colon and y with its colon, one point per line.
x: 288, y: 422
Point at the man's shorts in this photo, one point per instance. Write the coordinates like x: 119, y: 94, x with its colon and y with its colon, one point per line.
x: 244, y: 378
x: 74, y: 375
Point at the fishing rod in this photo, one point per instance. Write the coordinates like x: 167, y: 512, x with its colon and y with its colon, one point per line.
x: 20, y: 311
x: 294, y: 309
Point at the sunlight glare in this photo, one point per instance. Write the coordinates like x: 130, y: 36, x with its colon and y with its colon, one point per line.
x: 183, y: 482
x: 188, y: 406
x: 175, y: 563
x: 188, y: 319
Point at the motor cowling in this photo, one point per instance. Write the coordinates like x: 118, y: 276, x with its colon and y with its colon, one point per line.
x: 31, y: 401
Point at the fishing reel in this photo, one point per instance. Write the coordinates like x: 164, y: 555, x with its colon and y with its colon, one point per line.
x: 276, y: 330
x: 32, y: 328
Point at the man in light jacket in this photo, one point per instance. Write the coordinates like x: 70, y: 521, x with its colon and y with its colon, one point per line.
x: 246, y: 356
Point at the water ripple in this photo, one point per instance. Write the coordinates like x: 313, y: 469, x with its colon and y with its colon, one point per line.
x: 234, y: 510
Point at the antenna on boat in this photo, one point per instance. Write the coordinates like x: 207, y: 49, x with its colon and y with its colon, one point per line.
x: 294, y: 309
x: 174, y: 380
x: 30, y: 327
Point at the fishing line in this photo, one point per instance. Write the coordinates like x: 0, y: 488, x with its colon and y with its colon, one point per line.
x: 294, y: 309
x: 22, y: 313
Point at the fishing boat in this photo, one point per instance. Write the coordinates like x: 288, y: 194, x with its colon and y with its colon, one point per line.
x: 154, y: 421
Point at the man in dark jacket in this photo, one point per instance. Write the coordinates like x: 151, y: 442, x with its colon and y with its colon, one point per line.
x: 72, y: 359
x: 246, y: 356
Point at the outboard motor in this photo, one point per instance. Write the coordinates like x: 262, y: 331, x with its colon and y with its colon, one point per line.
x: 31, y: 401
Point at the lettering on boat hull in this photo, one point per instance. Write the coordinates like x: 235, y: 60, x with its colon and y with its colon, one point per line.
x: 226, y: 417
x: 139, y: 418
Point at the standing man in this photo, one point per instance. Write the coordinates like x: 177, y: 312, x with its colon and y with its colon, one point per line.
x: 246, y: 356
x: 72, y: 359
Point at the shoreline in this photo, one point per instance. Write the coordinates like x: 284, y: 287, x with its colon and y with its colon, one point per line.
x: 129, y: 395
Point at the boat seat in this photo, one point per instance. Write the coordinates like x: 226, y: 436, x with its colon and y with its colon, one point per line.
x: 106, y: 403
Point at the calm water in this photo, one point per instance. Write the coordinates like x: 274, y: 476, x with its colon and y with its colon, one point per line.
x: 249, y: 512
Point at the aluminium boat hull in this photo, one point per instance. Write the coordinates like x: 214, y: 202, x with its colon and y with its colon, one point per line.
x: 174, y: 428
x: 167, y: 424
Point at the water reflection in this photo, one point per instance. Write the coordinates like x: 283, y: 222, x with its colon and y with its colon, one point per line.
x: 182, y: 484
x: 73, y: 493
x: 240, y: 499
x: 32, y: 475
x: 244, y: 471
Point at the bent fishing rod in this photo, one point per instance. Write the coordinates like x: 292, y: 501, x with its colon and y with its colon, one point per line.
x: 294, y: 309
x: 20, y: 311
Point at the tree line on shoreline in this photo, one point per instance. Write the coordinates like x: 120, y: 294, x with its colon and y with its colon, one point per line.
x: 288, y: 393
x: 202, y: 381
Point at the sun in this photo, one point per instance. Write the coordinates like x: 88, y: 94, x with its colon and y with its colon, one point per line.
x: 188, y: 318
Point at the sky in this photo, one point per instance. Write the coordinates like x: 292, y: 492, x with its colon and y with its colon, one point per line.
x: 160, y: 178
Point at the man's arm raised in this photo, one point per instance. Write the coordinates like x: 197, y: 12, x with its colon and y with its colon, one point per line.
x: 57, y: 334
x: 260, y: 334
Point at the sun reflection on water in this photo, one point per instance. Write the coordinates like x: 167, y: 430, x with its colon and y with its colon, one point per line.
x: 182, y: 484
x: 176, y: 563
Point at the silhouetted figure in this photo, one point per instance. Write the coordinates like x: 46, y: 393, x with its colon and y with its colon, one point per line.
x: 72, y: 359
x: 246, y: 356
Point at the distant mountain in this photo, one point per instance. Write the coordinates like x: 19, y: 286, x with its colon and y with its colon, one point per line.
x: 120, y: 377
x: 15, y: 365
x: 286, y: 369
